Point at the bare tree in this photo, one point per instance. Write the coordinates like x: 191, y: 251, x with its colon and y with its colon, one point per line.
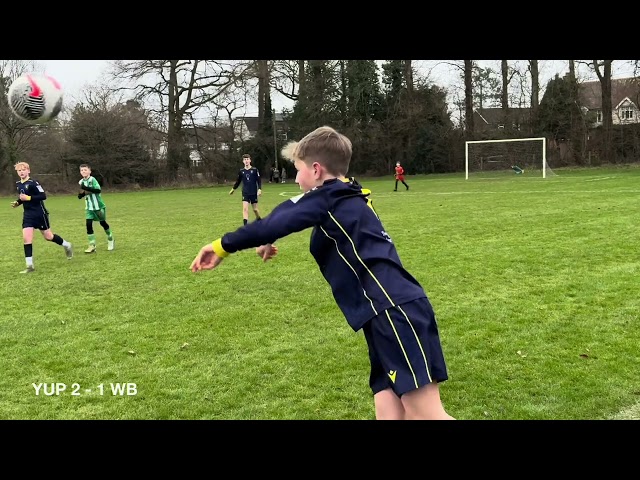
x: 180, y: 88
x: 287, y: 76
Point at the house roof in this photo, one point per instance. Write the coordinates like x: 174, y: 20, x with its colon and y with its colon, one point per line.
x: 590, y: 93
x: 493, y: 116
x: 206, y: 134
x: 252, y: 122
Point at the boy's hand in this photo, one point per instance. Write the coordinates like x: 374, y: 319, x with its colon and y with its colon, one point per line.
x: 14, y: 204
x: 81, y: 194
x: 206, y: 259
x: 24, y: 197
x: 267, y: 252
x: 259, y: 191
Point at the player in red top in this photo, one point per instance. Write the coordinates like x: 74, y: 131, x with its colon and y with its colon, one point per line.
x: 400, y: 176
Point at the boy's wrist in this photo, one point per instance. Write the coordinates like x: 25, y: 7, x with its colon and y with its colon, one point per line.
x: 218, y: 250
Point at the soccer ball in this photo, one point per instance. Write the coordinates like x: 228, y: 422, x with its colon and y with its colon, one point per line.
x: 35, y: 98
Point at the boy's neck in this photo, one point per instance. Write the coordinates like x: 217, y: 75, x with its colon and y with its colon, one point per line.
x: 327, y: 177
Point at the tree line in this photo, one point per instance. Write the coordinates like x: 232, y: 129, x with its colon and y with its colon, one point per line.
x: 152, y: 118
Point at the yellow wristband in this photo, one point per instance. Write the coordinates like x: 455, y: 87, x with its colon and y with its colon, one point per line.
x: 28, y: 198
x: 218, y: 250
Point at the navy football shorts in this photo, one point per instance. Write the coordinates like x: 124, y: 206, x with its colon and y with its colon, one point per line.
x: 404, y: 348
x: 250, y: 198
x: 39, y: 222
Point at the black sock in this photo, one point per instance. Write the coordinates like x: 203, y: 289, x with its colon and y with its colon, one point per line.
x: 28, y: 250
x: 244, y: 221
x: 57, y: 239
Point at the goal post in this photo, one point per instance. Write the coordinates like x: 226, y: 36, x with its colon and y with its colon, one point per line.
x: 509, y: 155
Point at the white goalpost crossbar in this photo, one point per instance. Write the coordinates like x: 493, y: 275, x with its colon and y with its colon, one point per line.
x: 544, y: 151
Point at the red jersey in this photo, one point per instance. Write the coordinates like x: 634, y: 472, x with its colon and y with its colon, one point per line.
x: 399, y: 173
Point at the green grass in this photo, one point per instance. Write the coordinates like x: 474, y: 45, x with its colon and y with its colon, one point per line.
x: 534, y: 281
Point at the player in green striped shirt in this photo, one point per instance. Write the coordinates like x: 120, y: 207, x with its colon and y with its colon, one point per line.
x: 95, y: 209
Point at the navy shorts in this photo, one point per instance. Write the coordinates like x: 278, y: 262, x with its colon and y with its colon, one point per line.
x: 404, y: 348
x: 250, y: 198
x: 40, y: 222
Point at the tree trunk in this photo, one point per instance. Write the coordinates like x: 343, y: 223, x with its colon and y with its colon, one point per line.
x: 607, y: 113
x: 408, y: 75
x: 175, y: 125
x: 504, y: 95
x: 468, y: 98
x: 535, y: 93
x: 263, y: 74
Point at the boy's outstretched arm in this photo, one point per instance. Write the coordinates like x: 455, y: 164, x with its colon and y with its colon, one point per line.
x: 294, y: 215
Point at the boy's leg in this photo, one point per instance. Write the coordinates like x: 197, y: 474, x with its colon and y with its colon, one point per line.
x: 388, y: 405
x: 107, y: 229
x: 425, y: 404
x: 245, y: 212
x: 91, y: 236
x: 405, y: 184
x: 255, y: 210
x: 57, y: 239
x: 27, y: 240
x: 396, y: 188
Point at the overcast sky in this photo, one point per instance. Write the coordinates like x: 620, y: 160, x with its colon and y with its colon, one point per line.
x: 74, y: 75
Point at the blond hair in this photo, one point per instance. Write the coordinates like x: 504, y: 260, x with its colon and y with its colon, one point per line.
x: 324, y: 145
x: 22, y: 164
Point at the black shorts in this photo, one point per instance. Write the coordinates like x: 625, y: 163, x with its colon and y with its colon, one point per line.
x: 250, y: 198
x: 404, y: 348
x: 40, y: 222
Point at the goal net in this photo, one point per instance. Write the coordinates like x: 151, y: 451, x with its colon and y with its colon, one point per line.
x: 510, y: 156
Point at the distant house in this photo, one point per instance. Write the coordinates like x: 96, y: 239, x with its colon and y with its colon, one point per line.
x: 246, y: 128
x: 489, y: 119
x: 625, y: 98
x: 205, y: 138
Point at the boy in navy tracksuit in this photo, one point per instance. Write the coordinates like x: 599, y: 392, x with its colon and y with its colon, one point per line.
x: 31, y: 196
x: 358, y: 259
x: 251, y: 188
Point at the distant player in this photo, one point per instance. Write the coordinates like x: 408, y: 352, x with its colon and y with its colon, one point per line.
x: 95, y: 208
x: 400, y: 176
x: 517, y: 169
x: 251, y: 188
x: 31, y: 196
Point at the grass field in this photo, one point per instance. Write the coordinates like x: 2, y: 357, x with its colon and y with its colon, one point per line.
x: 534, y: 282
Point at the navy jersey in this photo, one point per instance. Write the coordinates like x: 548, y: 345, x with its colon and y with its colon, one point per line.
x: 251, y: 182
x: 34, y: 207
x: 349, y: 243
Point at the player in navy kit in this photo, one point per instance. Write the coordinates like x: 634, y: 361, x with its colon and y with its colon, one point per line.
x: 251, y: 188
x: 31, y: 196
x: 358, y: 259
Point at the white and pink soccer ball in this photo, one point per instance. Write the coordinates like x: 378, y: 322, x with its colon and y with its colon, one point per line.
x: 35, y: 98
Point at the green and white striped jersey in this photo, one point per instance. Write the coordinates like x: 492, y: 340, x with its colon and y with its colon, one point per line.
x: 93, y: 201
